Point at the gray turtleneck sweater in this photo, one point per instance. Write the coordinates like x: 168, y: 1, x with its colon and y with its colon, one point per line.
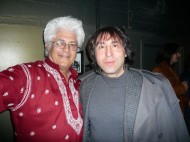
x: 106, y: 109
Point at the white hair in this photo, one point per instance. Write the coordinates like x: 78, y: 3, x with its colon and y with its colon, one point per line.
x: 68, y: 23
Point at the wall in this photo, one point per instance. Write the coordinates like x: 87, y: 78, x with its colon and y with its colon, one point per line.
x: 153, y: 18
x: 18, y: 44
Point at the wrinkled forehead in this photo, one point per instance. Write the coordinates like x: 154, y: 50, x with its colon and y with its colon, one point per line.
x: 104, y: 36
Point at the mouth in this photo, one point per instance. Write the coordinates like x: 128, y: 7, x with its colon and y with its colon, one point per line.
x: 109, y: 63
x: 64, y: 56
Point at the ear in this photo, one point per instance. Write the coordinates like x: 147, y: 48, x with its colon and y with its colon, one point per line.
x: 46, y: 46
x: 47, y: 49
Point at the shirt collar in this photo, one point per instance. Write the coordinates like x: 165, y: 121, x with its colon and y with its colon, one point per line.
x: 73, y: 72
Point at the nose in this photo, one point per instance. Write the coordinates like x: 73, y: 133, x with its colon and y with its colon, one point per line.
x: 108, y: 51
x: 66, y: 47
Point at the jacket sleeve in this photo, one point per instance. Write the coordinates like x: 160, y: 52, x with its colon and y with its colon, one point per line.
x: 170, y: 120
x: 181, y: 128
x: 176, y: 113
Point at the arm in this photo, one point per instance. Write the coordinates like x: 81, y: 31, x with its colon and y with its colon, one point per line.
x: 176, y: 113
x: 12, y: 86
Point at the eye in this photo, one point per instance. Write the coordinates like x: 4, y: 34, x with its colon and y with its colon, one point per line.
x: 60, y: 43
x: 100, y: 46
x: 73, y: 45
x: 115, y: 45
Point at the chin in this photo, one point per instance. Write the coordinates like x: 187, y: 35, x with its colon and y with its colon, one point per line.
x: 109, y: 71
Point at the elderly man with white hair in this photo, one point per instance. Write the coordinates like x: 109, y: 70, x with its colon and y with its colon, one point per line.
x: 43, y: 96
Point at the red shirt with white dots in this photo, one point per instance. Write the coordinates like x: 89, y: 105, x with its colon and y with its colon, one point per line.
x: 44, y: 106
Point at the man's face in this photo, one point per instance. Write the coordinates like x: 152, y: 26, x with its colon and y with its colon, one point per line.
x: 110, y: 55
x: 64, y: 56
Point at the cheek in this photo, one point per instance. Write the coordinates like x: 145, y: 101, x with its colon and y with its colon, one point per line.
x: 75, y: 56
x: 51, y: 52
x: 99, y: 55
x: 99, y: 58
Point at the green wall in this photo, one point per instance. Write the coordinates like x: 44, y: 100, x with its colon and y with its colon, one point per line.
x: 18, y: 44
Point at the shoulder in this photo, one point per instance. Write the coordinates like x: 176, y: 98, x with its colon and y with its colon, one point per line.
x: 151, y: 76
x: 32, y: 68
x: 161, y: 85
x: 161, y: 82
x: 34, y: 64
x: 20, y: 68
x: 148, y: 74
x: 87, y: 76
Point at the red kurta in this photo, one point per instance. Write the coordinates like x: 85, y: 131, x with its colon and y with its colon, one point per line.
x: 44, y: 106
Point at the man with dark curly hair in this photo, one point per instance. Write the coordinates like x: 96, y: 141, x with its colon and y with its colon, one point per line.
x: 122, y: 104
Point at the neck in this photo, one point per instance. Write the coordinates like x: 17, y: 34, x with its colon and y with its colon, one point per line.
x: 65, y: 73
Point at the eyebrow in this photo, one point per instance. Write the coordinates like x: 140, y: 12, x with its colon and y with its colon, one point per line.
x: 73, y: 42
x: 115, y: 41
x: 102, y: 42
x: 69, y: 42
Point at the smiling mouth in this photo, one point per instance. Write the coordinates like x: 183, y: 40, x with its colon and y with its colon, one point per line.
x: 63, y: 56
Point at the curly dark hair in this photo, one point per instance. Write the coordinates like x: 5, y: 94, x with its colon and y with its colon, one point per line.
x: 166, y: 52
x: 114, y: 32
